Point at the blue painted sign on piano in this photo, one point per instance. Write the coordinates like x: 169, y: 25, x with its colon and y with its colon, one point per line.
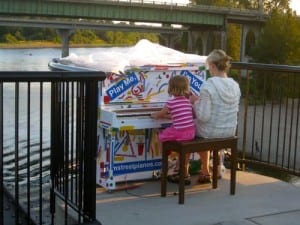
x: 122, y: 86
x: 195, y: 82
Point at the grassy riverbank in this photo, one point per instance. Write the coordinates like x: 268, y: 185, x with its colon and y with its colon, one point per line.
x: 44, y: 44
x: 29, y: 44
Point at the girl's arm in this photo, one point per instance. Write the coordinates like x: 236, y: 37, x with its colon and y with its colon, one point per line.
x: 163, y: 113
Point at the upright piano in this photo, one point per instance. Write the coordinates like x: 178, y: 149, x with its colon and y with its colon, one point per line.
x: 127, y: 135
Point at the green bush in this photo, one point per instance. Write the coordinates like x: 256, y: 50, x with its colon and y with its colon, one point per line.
x: 9, y: 38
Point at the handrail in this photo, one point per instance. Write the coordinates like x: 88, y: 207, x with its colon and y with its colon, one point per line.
x: 56, y: 112
x: 268, y: 127
x: 188, y: 6
x: 14, y: 76
x: 269, y: 116
x: 265, y: 67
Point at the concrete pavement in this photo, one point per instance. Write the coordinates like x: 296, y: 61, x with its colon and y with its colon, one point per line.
x: 259, y: 200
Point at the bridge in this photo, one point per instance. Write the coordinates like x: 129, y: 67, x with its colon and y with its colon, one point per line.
x: 82, y: 24
x: 67, y: 15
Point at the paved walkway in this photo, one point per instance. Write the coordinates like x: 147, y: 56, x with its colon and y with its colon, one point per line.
x: 259, y: 200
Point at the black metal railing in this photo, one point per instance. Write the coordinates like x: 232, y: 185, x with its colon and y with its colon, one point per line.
x: 48, y: 144
x: 48, y: 128
x: 269, y: 117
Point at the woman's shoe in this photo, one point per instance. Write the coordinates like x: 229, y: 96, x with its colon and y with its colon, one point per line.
x: 204, y: 178
x: 175, y: 179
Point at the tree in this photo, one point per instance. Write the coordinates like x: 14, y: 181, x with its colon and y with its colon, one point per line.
x: 7, y: 33
x: 279, y: 42
x: 128, y: 38
x: 278, y: 5
x: 84, y: 37
x: 9, y: 38
x: 234, y: 41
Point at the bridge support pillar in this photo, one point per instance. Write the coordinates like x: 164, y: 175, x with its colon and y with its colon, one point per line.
x: 245, y: 30
x: 224, y: 36
x: 192, y: 41
x: 170, y: 39
x: 204, y: 39
x: 223, y: 40
x: 243, y: 43
x: 65, y: 35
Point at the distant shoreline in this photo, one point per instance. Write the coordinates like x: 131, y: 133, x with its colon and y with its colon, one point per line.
x: 27, y: 45
x: 30, y: 44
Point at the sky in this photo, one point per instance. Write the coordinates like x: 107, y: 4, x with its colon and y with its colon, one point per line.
x: 295, y: 6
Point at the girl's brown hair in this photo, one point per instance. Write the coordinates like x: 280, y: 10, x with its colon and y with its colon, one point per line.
x: 178, y: 86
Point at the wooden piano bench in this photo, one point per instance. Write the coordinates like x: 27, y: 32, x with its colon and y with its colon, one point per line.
x: 198, y: 145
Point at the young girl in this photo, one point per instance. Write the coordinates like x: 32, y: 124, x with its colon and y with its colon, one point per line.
x: 180, y: 110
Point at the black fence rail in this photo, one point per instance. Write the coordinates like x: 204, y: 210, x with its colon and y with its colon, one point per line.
x: 269, y: 117
x: 48, y: 143
x: 48, y: 128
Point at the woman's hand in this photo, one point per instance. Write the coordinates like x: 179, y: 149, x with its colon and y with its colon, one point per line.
x: 194, y: 98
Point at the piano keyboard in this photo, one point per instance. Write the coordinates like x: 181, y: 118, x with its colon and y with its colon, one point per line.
x: 132, y: 119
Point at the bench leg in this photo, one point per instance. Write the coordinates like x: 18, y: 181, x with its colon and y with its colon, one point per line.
x: 233, y: 170
x: 164, y: 172
x: 215, y: 169
x: 182, y: 157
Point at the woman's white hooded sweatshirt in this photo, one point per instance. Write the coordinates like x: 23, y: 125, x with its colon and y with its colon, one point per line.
x: 217, y: 109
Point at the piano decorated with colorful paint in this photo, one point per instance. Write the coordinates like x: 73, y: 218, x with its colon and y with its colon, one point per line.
x: 127, y: 135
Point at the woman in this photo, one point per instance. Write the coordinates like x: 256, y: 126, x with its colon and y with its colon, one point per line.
x: 217, y: 106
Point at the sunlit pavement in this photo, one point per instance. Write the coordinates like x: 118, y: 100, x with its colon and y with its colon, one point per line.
x: 259, y: 200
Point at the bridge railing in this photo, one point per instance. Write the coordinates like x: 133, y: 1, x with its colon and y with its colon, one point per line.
x: 269, y: 117
x: 171, y: 4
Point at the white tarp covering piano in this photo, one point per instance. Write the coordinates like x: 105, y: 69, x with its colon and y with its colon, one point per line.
x: 136, y: 85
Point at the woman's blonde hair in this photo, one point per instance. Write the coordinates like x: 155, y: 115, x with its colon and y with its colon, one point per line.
x: 178, y: 86
x: 220, y: 59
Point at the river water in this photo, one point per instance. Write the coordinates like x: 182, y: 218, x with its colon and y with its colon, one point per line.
x: 35, y: 59
x: 28, y: 60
